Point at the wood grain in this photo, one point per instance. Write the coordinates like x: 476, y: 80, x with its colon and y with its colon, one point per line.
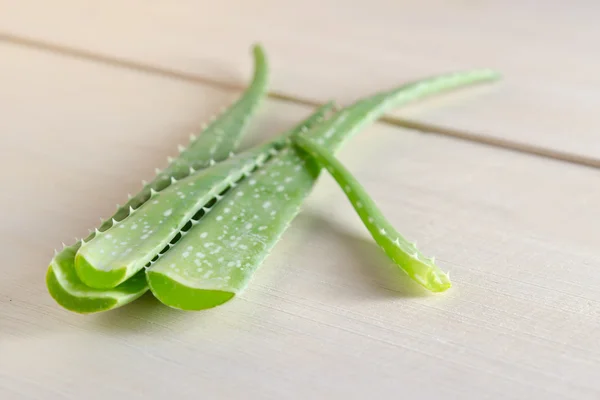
x: 326, y: 316
x: 328, y: 49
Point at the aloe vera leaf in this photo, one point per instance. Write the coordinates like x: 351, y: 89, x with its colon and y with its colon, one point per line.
x: 218, y: 257
x: 404, y: 253
x: 121, y: 251
x: 215, y: 143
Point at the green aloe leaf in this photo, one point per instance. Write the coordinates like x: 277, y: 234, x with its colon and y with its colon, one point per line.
x: 215, y: 143
x: 404, y: 253
x: 217, y: 258
x: 121, y: 251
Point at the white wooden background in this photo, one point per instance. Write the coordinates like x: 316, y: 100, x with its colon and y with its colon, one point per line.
x: 503, y: 187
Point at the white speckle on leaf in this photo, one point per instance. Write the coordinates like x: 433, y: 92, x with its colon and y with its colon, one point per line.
x: 200, y: 255
x: 262, y: 228
x: 252, y: 182
x: 185, y: 254
x: 134, y: 227
x: 266, y: 204
x: 248, y: 226
x: 203, y: 235
x: 240, y: 194
x: 280, y: 188
x: 168, y: 212
x: 227, y: 210
x: 219, y: 217
x: 230, y: 264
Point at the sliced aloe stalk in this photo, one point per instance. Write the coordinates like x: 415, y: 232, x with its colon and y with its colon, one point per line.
x: 121, y: 251
x: 215, y: 143
x: 404, y: 253
x: 215, y: 261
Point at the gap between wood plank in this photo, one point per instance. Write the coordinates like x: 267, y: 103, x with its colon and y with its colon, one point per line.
x: 401, y: 122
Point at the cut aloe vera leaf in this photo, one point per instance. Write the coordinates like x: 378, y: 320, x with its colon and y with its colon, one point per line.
x: 121, y: 251
x: 215, y: 143
x: 216, y: 260
x: 68, y: 291
x: 404, y: 253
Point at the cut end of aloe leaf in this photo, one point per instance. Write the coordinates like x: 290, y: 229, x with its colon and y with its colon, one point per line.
x: 67, y: 290
x: 177, y: 295
x: 81, y: 305
x: 96, y: 278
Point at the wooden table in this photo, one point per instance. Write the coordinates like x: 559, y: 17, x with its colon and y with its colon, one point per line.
x: 501, y: 183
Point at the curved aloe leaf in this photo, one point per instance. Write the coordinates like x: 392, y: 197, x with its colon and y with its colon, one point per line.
x: 215, y: 143
x: 217, y: 258
x: 405, y: 254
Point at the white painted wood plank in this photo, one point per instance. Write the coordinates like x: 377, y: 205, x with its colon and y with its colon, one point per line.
x: 324, y: 49
x: 326, y: 317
